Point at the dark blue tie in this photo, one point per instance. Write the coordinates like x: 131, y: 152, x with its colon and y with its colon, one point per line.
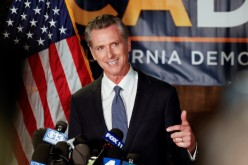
x: 119, y: 117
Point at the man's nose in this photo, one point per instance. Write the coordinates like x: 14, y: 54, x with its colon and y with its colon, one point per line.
x: 110, y: 52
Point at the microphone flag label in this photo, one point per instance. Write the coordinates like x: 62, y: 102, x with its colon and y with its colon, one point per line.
x: 52, y: 136
x: 126, y: 163
x: 36, y: 163
x: 109, y: 137
x: 111, y: 161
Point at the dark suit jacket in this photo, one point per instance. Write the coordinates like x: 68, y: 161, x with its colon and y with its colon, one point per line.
x: 156, y: 107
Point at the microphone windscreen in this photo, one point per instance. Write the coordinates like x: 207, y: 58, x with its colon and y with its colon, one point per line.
x: 41, y: 154
x: 117, y: 132
x: 62, y: 150
x: 37, y: 137
x: 81, y: 154
x: 114, y: 152
x: 61, y: 126
x: 134, y: 157
x: 80, y: 139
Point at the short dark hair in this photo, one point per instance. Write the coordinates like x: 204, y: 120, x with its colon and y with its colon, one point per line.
x: 104, y: 21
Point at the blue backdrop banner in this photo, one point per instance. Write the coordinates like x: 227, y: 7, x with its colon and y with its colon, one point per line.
x: 183, y: 42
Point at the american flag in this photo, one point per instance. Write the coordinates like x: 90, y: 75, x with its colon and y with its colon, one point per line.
x: 54, y: 68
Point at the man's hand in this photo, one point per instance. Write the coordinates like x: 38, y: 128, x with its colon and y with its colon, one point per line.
x: 183, y: 135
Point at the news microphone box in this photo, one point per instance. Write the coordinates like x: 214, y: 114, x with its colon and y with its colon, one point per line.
x: 52, y: 136
x: 36, y: 163
x: 111, y: 161
x: 112, y: 139
x: 126, y: 163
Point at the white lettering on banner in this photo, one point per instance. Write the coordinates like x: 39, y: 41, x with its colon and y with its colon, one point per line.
x: 137, y: 56
x: 154, y: 57
x: 197, y: 58
x: 197, y: 55
x: 229, y: 58
x: 212, y: 58
x: 207, y: 17
x: 241, y: 56
x: 174, y: 58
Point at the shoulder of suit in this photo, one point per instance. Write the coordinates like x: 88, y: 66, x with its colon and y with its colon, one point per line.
x: 91, y: 87
x: 150, y: 79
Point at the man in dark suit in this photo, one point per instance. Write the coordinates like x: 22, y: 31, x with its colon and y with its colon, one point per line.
x: 157, y: 129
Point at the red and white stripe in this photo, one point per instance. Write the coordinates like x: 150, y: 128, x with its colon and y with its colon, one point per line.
x: 50, y: 77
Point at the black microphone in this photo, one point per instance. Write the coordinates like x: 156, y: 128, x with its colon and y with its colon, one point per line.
x: 60, y: 154
x: 80, y: 154
x: 114, y: 156
x: 81, y: 151
x: 41, y: 154
x: 61, y: 126
x: 52, y: 136
x: 40, y: 134
x: 80, y: 139
x: 37, y: 137
x: 133, y: 158
x: 113, y: 139
x: 49, y: 136
x: 57, y: 138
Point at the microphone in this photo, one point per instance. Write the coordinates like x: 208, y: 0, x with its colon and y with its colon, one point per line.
x: 113, y: 140
x: 81, y: 151
x: 49, y: 136
x: 80, y: 139
x: 53, y: 136
x: 46, y: 134
x: 114, y: 137
x: 133, y: 158
x: 41, y: 154
x: 37, y: 137
x: 60, y: 154
x: 114, y: 156
x: 80, y: 154
x: 93, y: 156
x: 61, y: 126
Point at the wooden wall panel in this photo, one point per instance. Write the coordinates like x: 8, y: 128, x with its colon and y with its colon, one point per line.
x: 201, y: 103
x: 199, y: 98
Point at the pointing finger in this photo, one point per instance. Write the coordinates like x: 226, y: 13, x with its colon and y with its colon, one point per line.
x: 184, y: 118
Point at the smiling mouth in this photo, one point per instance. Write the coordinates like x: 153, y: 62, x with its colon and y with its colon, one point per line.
x: 113, y: 62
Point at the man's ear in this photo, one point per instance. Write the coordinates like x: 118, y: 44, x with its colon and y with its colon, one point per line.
x: 129, y: 44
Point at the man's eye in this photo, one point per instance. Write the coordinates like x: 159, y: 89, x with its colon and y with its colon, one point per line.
x: 116, y: 44
x: 99, y: 48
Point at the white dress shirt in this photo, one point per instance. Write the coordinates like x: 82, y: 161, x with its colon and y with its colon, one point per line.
x: 128, y: 93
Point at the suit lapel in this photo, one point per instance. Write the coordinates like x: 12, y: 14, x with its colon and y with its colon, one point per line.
x: 142, y: 99
x: 98, y: 111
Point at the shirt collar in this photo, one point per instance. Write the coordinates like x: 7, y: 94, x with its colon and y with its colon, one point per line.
x: 126, y: 83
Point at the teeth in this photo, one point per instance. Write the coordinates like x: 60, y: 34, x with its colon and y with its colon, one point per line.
x: 112, y: 62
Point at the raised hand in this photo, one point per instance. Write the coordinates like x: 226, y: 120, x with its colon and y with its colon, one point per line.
x: 183, y: 135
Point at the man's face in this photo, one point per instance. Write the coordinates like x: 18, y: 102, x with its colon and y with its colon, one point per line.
x: 111, y: 51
